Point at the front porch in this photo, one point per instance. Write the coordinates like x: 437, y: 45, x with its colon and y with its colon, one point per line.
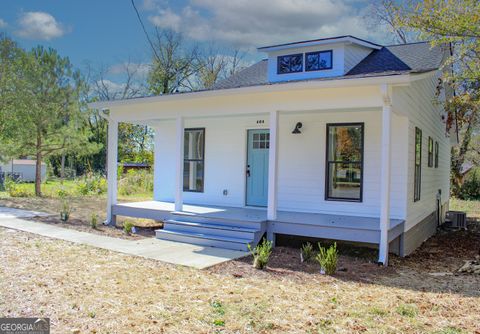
x: 203, y: 154
x: 210, y: 218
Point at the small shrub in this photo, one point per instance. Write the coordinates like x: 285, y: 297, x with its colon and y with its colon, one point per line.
x: 94, y: 221
x: 407, y: 310
x: 307, y: 253
x: 65, y: 211
x: 15, y: 189
x: 136, y: 182
x: 261, y: 254
x: 218, y: 307
x: 62, y: 192
x: 328, y: 258
x: 91, y: 184
x: 219, y: 322
x: 128, y: 227
x: 19, y: 192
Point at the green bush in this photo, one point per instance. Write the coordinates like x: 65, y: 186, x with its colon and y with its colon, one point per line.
x: 92, y: 184
x: 307, y: 253
x: 261, y: 254
x: 65, y: 211
x: 127, y: 227
x: 62, y: 192
x: 470, y: 189
x: 328, y: 257
x: 136, y: 182
x: 15, y: 189
x: 94, y: 221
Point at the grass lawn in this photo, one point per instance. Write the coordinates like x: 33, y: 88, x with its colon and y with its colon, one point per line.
x: 52, y: 189
x: 472, y: 208
x: 98, y: 291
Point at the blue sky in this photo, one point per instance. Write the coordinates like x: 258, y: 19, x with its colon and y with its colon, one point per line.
x: 107, y: 31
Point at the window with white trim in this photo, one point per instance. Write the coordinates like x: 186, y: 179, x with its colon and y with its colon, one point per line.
x: 194, y: 160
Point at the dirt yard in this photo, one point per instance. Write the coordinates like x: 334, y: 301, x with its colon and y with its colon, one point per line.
x: 82, y: 210
x: 97, y: 291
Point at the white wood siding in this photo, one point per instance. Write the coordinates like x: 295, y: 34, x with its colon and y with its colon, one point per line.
x: 301, y: 174
x: 301, y: 164
x: 420, y: 105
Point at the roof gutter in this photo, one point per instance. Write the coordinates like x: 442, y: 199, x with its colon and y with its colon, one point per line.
x: 398, y: 79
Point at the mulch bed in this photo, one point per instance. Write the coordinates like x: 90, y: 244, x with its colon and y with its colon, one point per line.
x: 285, y: 263
x: 430, y: 267
x: 446, y: 251
x: 84, y: 226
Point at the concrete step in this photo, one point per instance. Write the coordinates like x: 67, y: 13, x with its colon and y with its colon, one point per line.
x: 250, y: 223
x: 204, y: 239
x: 211, y: 228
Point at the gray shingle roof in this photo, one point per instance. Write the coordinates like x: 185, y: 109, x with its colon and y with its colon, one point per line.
x: 251, y: 76
x: 414, y: 57
x: 389, y: 60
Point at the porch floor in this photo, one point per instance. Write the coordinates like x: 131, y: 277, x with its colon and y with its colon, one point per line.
x: 341, y: 227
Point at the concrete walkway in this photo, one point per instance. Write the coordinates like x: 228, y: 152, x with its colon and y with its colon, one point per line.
x: 162, y: 250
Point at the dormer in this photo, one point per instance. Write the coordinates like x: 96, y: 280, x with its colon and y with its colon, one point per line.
x: 320, y: 58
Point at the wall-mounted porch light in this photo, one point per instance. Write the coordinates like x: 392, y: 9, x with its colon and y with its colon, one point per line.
x: 298, y: 126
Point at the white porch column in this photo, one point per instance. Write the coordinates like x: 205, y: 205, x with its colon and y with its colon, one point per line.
x: 179, y: 165
x: 112, y: 165
x: 272, y: 167
x: 156, y: 165
x: 385, y: 175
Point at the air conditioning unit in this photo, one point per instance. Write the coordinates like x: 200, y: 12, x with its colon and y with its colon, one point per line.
x: 458, y: 219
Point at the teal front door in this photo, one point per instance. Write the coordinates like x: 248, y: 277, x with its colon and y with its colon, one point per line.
x: 257, y: 167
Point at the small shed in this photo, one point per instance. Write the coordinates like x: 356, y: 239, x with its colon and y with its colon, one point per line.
x: 134, y: 166
x: 22, y: 169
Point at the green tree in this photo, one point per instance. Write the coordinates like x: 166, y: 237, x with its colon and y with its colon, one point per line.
x: 455, y: 25
x: 43, y: 116
x: 135, y: 143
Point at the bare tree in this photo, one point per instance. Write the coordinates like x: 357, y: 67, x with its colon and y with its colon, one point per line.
x: 174, y: 63
x: 213, y: 66
x: 216, y: 65
x: 386, y: 13
x: 133, y: 138
x: 236, y: 62
x: 133, y: 83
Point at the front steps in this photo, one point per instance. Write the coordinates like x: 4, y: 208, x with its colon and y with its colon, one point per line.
x: 212, y: 232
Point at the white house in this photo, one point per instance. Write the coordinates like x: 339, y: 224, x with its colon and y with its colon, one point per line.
x: 24, y: 169
x: 336, y: 138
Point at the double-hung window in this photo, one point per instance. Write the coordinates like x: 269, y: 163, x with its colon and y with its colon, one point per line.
x: 430, y: 152
x: 417, y: 184
x: 344, y: 168
x: 194, y: 160
x: 436, y: 154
